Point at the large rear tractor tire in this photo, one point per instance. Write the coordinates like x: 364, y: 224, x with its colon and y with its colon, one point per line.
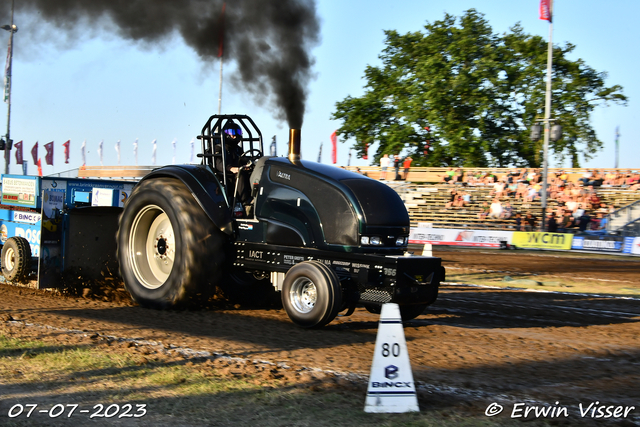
x: 16, y: 259
x: 311, y: 294
x: 170, y: 253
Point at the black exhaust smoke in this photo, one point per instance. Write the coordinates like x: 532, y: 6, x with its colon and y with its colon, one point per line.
x: 269, y: 39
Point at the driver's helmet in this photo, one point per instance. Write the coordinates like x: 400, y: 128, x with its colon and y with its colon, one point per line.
x: 232, y: 131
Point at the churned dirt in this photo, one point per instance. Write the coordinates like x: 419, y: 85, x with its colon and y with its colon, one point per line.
x: 473, y: 347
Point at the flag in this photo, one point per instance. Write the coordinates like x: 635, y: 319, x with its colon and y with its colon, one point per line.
x: 19, y: 153
x: 192, y: 150
x: 273, y: 148
x: 83, y: 152
x: 334, y: 151
x: 153, y: 153
x: 545, y: 10
x: 7, y: 73
x: 135, y: 151
x: 366, y: 151
x: 173, y: 143
x: 100, y: 151
x: 48, y: 158
x: 221, y: 45
x: 34, y: 154
x: 39, y: 167
x: 66, y: 151
x: 118, y: 150
x: 320, y: 154
x: 349, y: 159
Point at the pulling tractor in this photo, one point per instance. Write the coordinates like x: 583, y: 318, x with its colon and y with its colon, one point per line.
x: 327, y: 239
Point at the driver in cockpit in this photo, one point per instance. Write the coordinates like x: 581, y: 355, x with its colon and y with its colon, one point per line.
x: 237, y: 173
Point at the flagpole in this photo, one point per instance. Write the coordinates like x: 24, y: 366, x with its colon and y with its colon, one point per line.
x: 7, y: 152
x: 617, y: 145
x: 547, y: 121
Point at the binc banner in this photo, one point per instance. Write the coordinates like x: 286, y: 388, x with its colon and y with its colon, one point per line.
x: 539, y: 240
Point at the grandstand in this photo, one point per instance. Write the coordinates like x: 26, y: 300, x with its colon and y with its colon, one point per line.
x: 426, y: 197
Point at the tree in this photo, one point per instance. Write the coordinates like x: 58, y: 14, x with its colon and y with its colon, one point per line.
x: 478, y: 93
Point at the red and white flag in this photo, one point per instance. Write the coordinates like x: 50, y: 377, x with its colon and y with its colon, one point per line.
x: 334, y: 149
x: 48, y: 158
x: 39, y: 162
x: 19, y: 153
x: 66, y: 150
x: 545, y: 10
x: 366, y: 151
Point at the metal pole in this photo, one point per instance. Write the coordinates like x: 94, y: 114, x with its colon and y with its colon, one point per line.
x: 547, y: 122
x: 7, y: 151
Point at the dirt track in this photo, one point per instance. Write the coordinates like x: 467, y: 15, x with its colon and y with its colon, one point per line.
x: 474, y: 345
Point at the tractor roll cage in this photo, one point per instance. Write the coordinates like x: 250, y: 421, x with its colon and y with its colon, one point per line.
x: 211, y: 136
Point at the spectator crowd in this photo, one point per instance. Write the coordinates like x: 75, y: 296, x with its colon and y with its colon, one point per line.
x: 578, y: 206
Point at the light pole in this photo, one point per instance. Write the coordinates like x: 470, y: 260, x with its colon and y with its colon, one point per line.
x: 7, y: 90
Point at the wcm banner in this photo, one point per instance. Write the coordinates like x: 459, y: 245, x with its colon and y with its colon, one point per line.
x: 598, y: 243
x: 541, y: 240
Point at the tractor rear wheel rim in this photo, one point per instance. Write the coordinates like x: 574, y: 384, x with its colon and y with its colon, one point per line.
x: 152, y: 247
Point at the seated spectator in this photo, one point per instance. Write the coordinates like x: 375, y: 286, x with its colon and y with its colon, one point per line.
x: 511, y: 189
x: 609, y: 179
x: 552, y: 224
x: 523, y: 176
x: 466, y: 199
x: 518, y: 222
x: 495, y: 210
x: 452, y: 199
x: 566, y: 222
x: 507, y: 210
x: 488, y: 178
x: 522, y: 191
x: 498, y: 190
x: 448, y: 176
x: 530, y: 222
x: 586, y: 177
x: 534, y: 191
x: 597, y: 179
x: 584, y: 221
x: 484, y: 211
x: 579, y: 211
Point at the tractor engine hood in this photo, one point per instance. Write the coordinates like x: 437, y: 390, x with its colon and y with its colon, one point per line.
x: 327, y: 205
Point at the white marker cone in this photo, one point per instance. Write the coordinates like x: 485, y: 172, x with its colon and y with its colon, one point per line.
x: 391, y: 387
x: 427, y: 250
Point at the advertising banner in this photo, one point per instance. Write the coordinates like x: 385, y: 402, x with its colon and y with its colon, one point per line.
x: 458, y: 237
x: 598, y: 243
x: 20, y: 191
x: 632, y: 245
x: 541, y: 240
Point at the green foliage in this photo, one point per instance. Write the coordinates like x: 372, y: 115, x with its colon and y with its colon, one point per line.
x: 479, y: 92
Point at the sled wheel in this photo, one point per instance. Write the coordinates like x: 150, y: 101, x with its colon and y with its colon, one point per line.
x: 16, y: 258
x: 169, y: 251
x: 311, y: 294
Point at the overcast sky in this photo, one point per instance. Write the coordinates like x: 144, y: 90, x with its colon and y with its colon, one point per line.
x: 103, y: 88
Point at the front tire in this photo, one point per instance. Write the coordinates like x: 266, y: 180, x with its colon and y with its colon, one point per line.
x: 311, y: 294
x: 16, y: 259
x: 169, y: 251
